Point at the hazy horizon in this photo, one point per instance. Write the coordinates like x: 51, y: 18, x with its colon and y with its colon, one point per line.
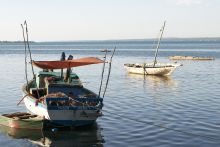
x: 137, y: 39
x: 109, y: 20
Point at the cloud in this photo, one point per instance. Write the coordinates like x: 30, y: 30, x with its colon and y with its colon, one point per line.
x: 188, y: 2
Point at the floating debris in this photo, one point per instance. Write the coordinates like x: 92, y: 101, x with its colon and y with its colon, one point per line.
x: 190, y: 58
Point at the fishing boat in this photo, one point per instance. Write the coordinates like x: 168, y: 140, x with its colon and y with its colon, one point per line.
x: 155, y: 68
x: 22, y: 120
x: 61, y: 98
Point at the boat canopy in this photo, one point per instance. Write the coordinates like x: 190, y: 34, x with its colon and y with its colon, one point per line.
x: 67, y: 63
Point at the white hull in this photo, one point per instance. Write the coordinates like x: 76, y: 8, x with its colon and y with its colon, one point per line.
x: 63, y: 115
x: 159, y: 69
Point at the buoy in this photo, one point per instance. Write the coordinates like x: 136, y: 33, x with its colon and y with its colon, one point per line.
x: 54, y: 129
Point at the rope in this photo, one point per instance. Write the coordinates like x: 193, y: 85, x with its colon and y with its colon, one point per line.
x: 82, y: 103
x: 167, y: 128
x: 22, y: 99
x: 155, y: 40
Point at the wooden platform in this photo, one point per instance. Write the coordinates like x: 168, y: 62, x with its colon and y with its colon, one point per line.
x: 190, y: 58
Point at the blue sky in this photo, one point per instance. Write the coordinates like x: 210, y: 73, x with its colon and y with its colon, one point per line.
x: 60, y: 20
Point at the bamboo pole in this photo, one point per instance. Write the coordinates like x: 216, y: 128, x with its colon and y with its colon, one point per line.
x: 109, y: 72
x: 158, y: 44
x: 25, y: 46
x: 103, y: 70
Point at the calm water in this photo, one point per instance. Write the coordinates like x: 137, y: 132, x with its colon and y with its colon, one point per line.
x: 180, y: 110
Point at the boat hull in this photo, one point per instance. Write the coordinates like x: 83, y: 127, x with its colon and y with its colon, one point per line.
x: 63, y: 115
x: 35, y: 124
x: 149, y: 70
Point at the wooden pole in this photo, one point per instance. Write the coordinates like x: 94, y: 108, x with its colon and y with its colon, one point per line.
x: 109, y: 72
x: 158, y: 44
x: 25, y: 46
x: 22, y: 99
x: 103, y: 69
x: 27, y: 40
x: 25, y: 23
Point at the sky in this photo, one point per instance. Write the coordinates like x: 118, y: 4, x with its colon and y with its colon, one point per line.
x: 69, y: 20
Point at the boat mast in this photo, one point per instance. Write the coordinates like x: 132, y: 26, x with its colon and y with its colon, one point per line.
x: 25, y: 46
x: 103, y: 70
x: 31, y: 60
x: 28, y: 46
x: 158, y: 44
x: 109, y: 72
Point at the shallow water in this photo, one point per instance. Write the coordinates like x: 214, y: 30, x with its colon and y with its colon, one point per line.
x: 180, y: 110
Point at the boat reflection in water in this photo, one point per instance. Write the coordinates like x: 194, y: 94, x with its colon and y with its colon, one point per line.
x: 79, y: 136
x: 155, y: 81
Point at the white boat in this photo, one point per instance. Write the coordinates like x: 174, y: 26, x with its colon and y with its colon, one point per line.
x: 62, y: 99
x: 161, y: 69
x: 150, y: 69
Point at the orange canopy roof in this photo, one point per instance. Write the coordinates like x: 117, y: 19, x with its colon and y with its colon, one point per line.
x: 67, y: 63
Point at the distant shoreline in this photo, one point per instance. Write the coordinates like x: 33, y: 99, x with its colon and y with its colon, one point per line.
x: 15, y: 41
x: 123, y: 40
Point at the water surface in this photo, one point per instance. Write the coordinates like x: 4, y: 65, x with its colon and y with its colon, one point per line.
x: 180, y: 110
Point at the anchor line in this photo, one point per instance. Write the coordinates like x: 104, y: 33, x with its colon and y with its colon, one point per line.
x: 164, y: 127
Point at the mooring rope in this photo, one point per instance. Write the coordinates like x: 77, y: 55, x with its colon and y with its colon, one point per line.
x: 164, y: 127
